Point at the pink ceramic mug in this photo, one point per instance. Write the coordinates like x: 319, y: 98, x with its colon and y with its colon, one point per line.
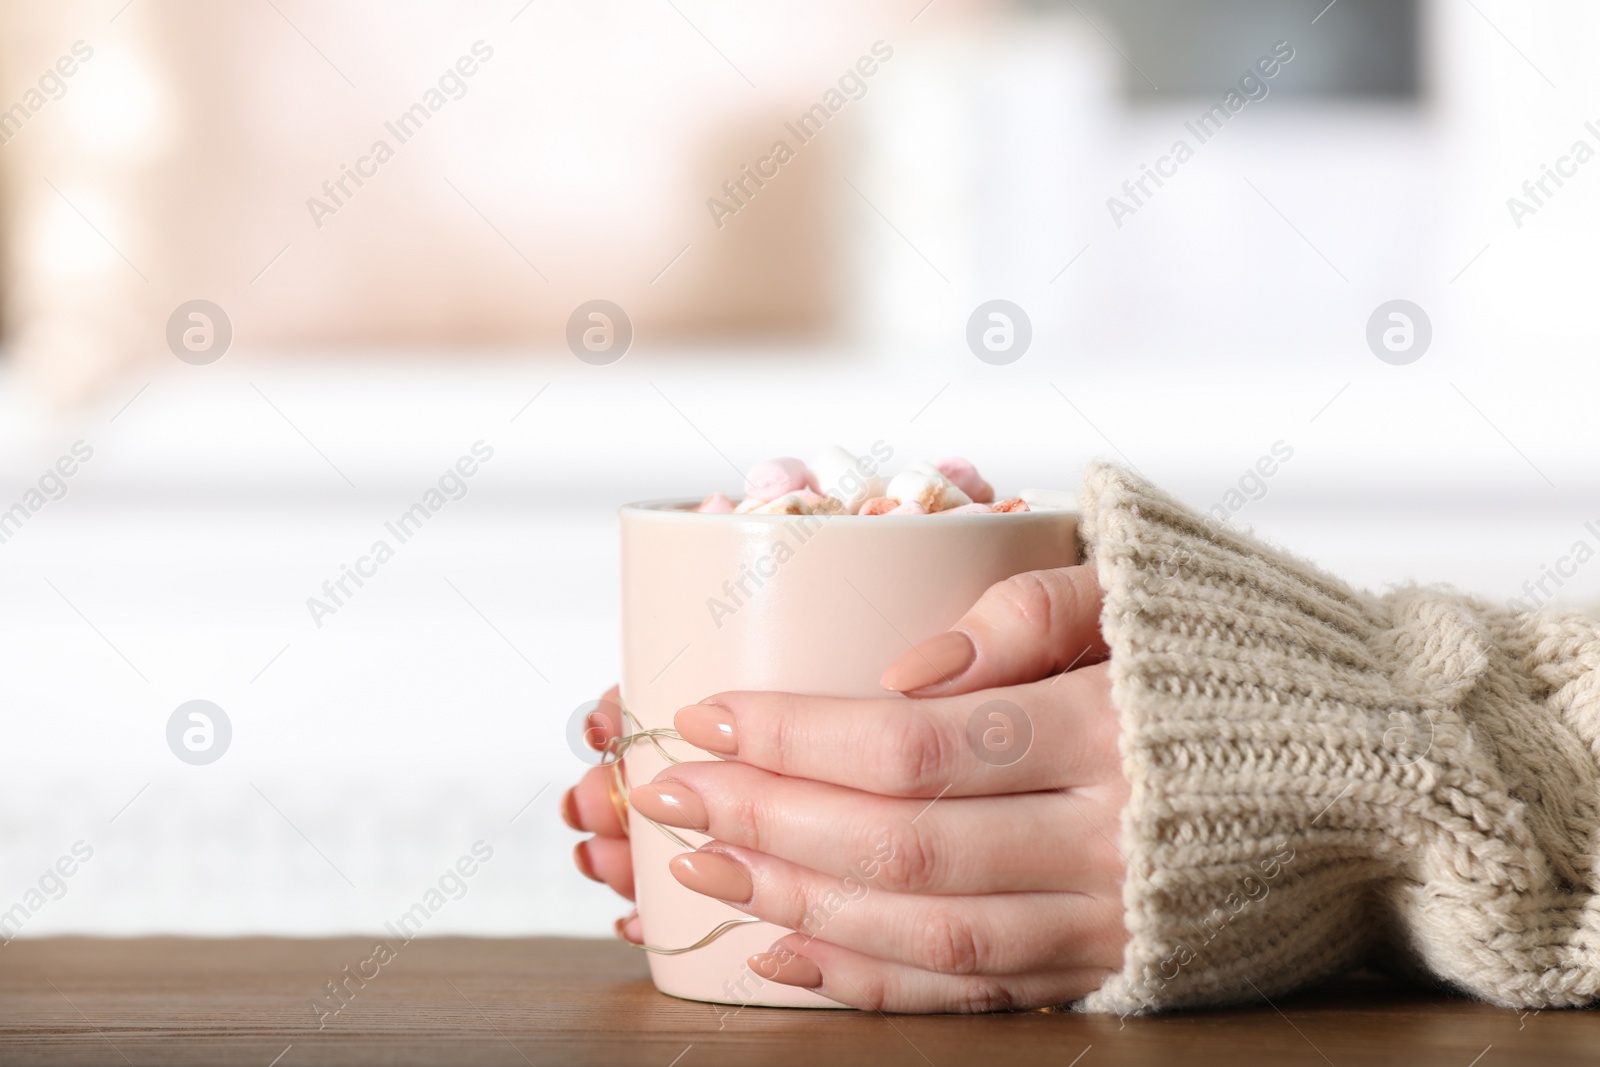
x: 809, y: 604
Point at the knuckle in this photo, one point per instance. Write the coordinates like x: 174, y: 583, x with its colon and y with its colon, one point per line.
x: 978, y: 995
x: 780, y: 716
x: 776, y: 898
x: 948, y: 943
x: 737, y: 816
x: 777, y: 724
x: 1029, y: 598
x: 873, y: 990
x: 910, y: 864
x: 794, y: 907
x: 914, y: 755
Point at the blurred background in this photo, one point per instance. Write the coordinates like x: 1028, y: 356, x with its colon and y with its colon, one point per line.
x: 397, y: 215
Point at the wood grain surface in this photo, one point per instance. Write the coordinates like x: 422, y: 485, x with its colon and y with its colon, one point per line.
x: 563, y: 1001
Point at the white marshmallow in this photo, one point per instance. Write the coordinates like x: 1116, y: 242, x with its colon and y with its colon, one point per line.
x: 842, y: 475
x: 924, y: 484
x: 1049, y: 499
x: 798, y: 503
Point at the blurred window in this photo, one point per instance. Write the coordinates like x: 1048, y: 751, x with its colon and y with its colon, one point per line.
x: 1356, y: 48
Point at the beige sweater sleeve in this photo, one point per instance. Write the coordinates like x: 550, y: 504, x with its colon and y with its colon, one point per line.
x: 1322, y: 777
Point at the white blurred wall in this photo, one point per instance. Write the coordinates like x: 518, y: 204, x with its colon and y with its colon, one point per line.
x: 370, y: 753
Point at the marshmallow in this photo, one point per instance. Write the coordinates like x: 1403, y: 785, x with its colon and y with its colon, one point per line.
x: 843, y: 476
x: 967, y: 479
x: 925, y: 484
x: 1049, y: 499
x: 752, y: 504
x: 829, y: 505
x: 772, y: 478
x: 842, y: 483
x: 800, y: 502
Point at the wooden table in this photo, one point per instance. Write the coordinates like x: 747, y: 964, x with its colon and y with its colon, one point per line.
x: 556, y: 1001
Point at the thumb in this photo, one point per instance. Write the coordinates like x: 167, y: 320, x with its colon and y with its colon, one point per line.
x: 1025, y: 628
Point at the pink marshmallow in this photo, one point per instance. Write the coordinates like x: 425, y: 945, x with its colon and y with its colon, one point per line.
x: 910, y: 507
x: 716, y: 504
x: 772, y: 478
x: 966, y: 478
x: 968, y: 509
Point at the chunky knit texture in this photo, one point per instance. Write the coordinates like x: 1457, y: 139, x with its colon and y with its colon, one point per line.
x: 1323, y: 778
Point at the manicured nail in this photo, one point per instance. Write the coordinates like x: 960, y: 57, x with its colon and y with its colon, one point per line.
x: 938, y: 659
x: 715, y: 874
x: 594, y: 731
x: 569, y: 808
x: 672, y: 803
x: 709, y: 727
x: 629, y: 928
x: 785, y: 967
x: 580, y: 858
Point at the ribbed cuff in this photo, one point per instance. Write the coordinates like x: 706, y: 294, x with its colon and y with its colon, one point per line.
x: 1319, y: 773
x: 1249, y: 691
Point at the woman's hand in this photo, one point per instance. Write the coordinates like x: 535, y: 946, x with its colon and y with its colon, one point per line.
x: 951, y: 852
x: 587, y: 807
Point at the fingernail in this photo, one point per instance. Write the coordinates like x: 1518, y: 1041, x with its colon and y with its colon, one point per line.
x: 785, y: 967
x: 709, y: 727
x: 569, y: 808
x: 594, y: 731
x: 629, y: 928
x: 580, y: 858
x: 938, y: 659
x: 715, y: 874
x: 672, y: 803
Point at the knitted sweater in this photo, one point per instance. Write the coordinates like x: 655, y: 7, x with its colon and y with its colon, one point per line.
x: 1323, y: 777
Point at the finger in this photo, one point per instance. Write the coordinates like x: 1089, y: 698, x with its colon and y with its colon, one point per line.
x: 630, y: 928
x: 1027, y: 627
x: 1006, y: 844
x: 587, y: 806
x: 604, y: 722
x: 1002, y: 933
x: 872, y: 984
x: 1044, y: 735
x: 607, y: 860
